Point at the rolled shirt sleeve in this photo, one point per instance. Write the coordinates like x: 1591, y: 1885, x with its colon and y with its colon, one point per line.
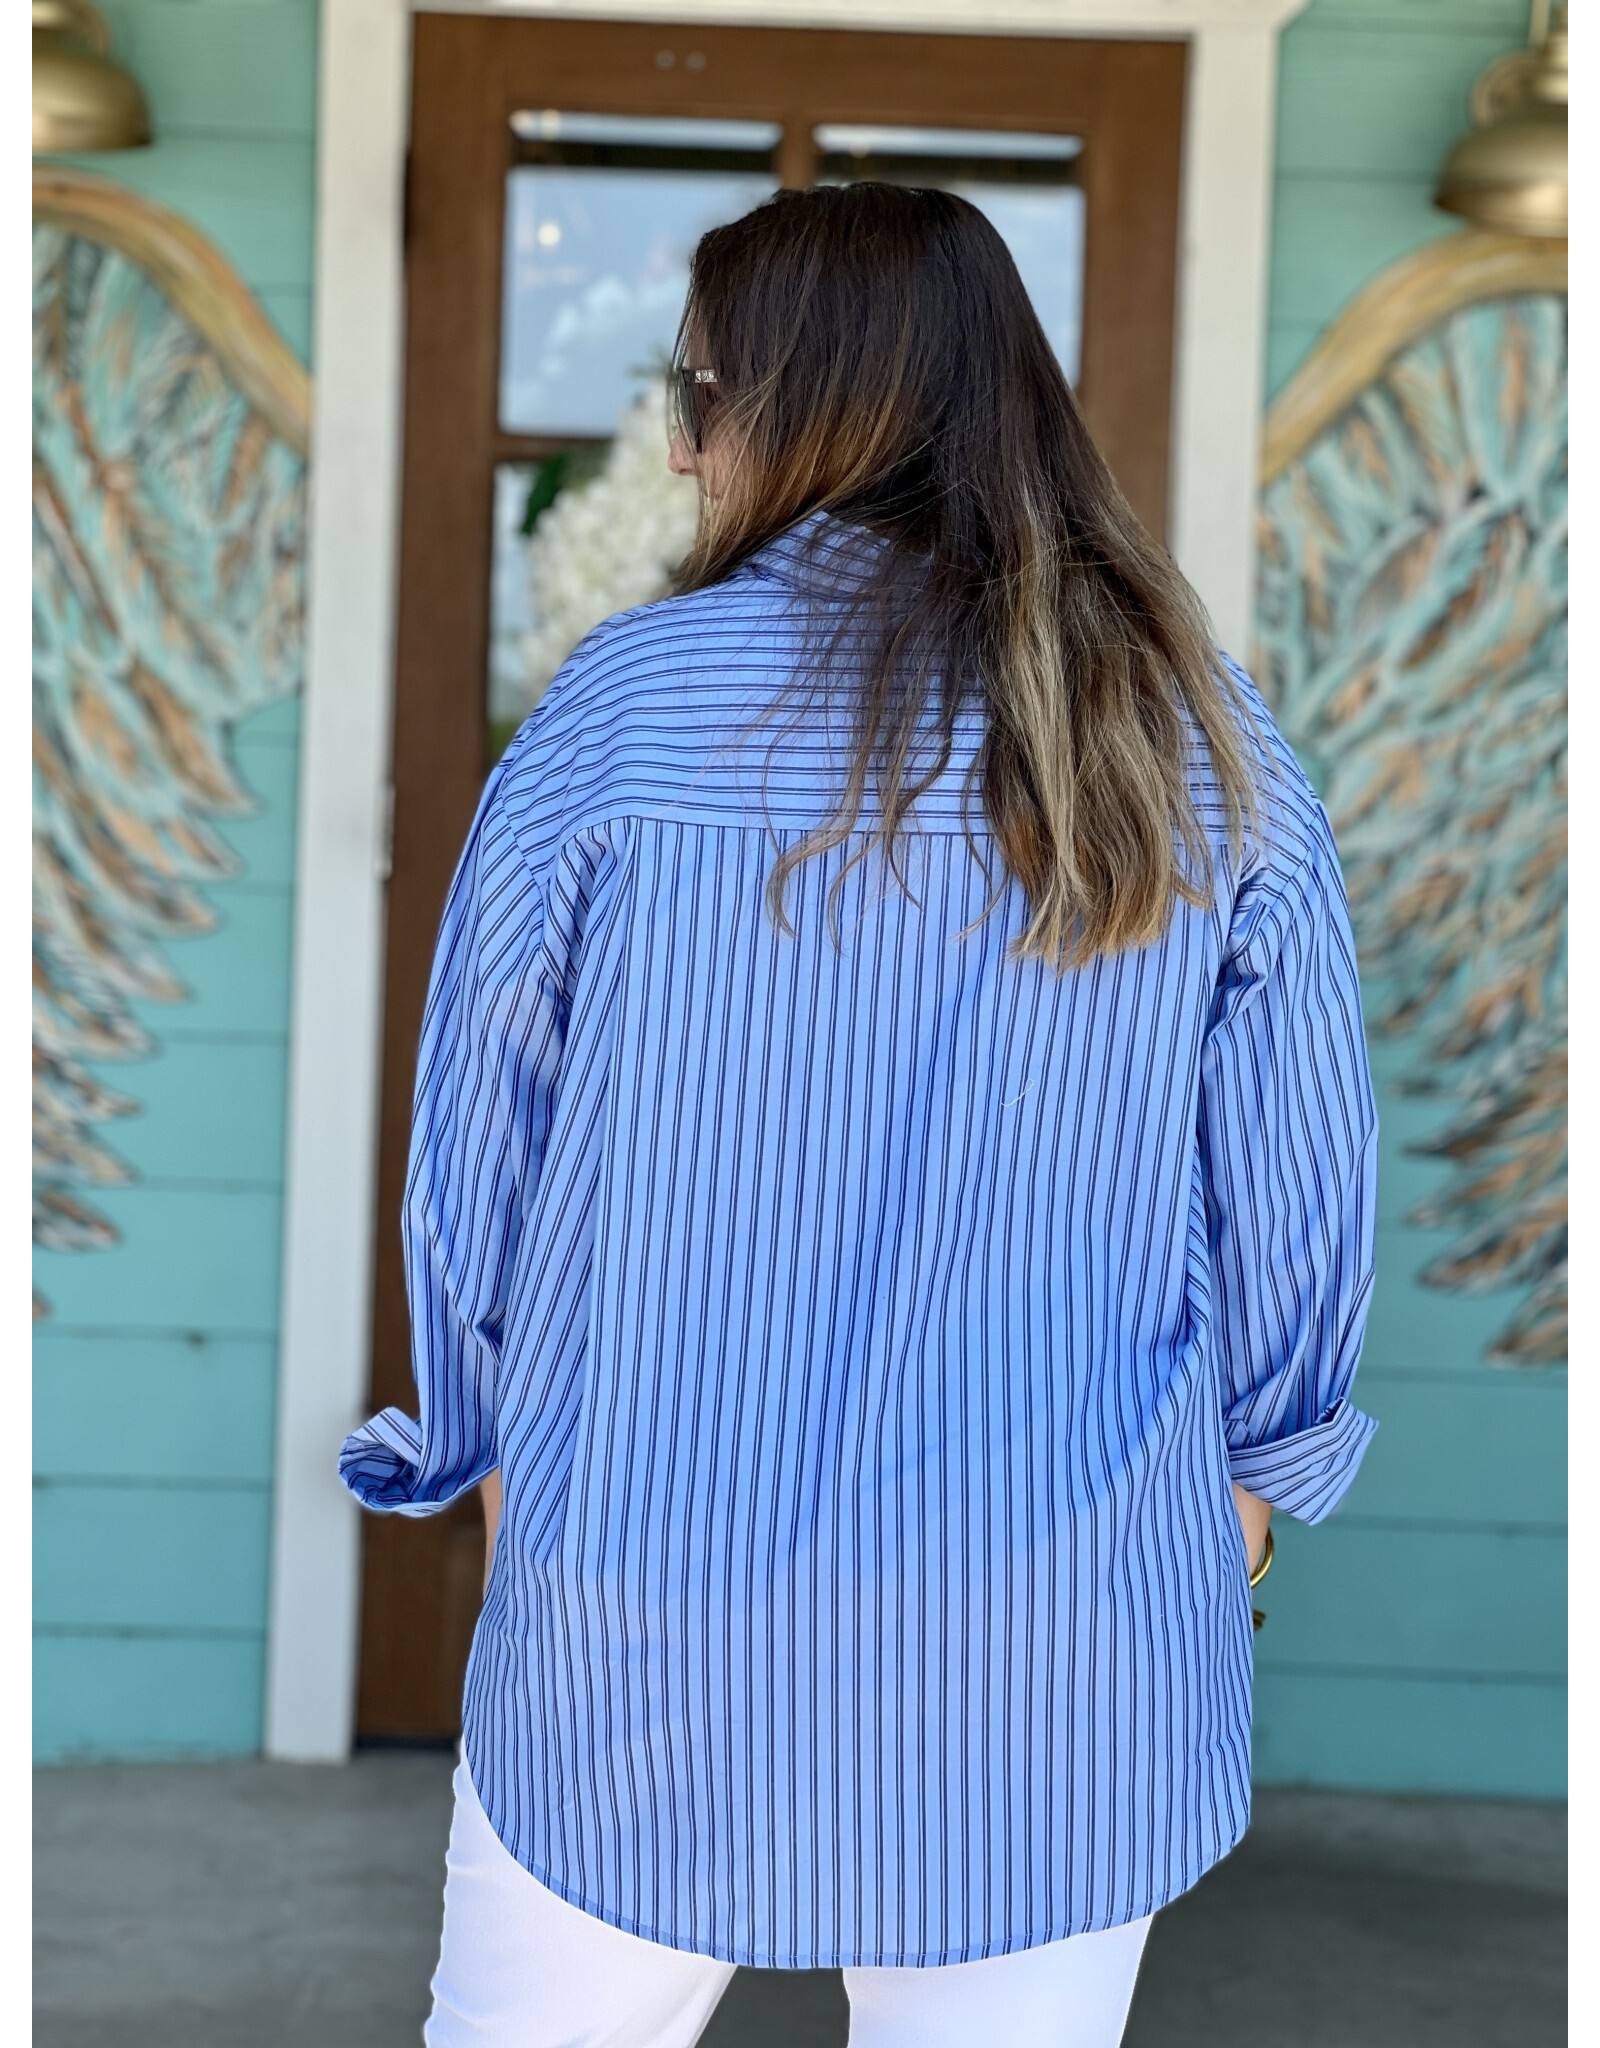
x: 488, y: 1051
x: 1289, y: 1146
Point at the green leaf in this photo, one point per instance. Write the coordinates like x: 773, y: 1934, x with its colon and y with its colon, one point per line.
x: 548, y: 478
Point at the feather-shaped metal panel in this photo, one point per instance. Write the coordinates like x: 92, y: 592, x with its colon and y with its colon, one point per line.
x: 168, y: 570
x: 1412, y: 637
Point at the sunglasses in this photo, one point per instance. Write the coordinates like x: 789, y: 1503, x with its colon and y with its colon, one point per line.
x: 693, y: 394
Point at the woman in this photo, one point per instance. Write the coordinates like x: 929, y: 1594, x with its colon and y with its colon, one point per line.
x: 891, y: 1193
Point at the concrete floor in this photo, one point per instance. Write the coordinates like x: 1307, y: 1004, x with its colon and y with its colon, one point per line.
x: 278, y: 1906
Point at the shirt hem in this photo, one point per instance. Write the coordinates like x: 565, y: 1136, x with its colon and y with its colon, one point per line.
x: 860, y: 1959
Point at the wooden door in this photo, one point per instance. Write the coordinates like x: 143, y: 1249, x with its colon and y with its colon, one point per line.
x: 781, y: 106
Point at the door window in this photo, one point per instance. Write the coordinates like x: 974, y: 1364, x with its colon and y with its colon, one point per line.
x: 602, y: 215
x: 1029, y: 186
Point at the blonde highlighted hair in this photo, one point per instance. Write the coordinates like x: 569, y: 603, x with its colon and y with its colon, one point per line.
x: 876, y: 356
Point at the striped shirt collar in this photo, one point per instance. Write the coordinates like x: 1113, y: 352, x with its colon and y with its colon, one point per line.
x: 820, y: 552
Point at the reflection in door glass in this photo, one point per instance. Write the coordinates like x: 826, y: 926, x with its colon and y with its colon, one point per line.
x: 602, y: 214
x: 590, y: 530
x: 1028, y: 185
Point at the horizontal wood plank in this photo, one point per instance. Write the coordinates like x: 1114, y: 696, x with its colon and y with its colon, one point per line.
x: 111, y: 1405
x: 1330, y: 236
x: 210, y: 1111
x: 237, y: 974
x: 150, y: 1557
x: 275, y: 724
x: 1387, y: 1733
x: 1357, y: 1596
x: 186, y: 1260
x: 245, y: 68
x: 1485, y: 1451
x: 154, y: 1696
x: 1355, y: 105
x: 1412, y: 1328
x: 1508, y: 18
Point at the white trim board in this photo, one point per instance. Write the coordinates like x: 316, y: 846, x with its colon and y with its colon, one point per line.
x: 335, y: 1046
x: 355, y: 470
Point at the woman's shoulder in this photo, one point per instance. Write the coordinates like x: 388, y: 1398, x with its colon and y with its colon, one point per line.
x: 634, y: 706
x: 1293, y: 822
x: 1291, y: 863
x: 639, y: 660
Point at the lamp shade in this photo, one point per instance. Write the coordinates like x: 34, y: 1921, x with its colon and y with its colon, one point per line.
x: 1510, y: 173
x: 82, y: 99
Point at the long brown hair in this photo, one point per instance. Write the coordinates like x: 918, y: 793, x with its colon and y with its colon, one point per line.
x: 876, y: 356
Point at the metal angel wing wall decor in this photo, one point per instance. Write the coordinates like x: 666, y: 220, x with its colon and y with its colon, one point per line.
x: 1411, y: 620
x: 169, y: 439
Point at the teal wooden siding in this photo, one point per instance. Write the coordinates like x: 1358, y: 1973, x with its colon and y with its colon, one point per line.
x: 1417, y: 1641
x: 1371, y: 94
x: 155, y: 1376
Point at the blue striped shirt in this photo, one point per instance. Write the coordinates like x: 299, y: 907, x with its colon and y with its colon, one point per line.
x: 866, y: 1326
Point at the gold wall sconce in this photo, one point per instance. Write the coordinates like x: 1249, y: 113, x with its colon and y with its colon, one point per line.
x: 82, y: 98
x: 1510, y: 172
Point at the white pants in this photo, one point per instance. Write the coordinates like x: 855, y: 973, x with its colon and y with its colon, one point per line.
x: 520, y: 1968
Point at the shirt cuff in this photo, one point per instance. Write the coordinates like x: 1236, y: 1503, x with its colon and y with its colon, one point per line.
x: 381, y: 1465
x: 1309, y: 1473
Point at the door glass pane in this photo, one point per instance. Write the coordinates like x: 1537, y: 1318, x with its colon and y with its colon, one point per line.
x: 602, y: 214
x: 1028, y: 185
x: 601, y: 534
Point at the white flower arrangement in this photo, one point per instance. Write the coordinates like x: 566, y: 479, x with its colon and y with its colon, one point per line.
x: 608, y: 543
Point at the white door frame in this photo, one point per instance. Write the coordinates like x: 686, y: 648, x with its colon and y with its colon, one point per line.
x: 342, y: 842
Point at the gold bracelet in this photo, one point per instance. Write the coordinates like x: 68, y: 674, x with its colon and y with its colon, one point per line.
x: 1257, y: 1618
